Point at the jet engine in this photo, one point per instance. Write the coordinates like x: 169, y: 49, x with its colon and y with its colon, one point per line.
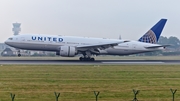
x: 66, y: 51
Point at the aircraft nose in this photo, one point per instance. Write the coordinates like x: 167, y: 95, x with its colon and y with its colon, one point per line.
x: 7, y: 42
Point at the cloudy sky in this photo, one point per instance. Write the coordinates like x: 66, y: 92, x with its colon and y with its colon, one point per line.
x: 92, y: 18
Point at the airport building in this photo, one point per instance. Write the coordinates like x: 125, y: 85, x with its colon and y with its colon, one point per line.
x: 3, y: 46
x: 16, y: 28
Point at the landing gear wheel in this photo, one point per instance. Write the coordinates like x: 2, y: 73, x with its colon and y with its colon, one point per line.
x: 86, y: 59
x: 81, y: 58
x: 92, y: 59
x: 19, y: 55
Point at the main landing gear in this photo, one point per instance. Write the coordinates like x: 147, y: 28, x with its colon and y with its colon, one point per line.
x: 86, y: 56
x: 19, y: 53
x: 86, y: 59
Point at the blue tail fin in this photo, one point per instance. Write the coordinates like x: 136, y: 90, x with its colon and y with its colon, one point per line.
x: 152, y: 36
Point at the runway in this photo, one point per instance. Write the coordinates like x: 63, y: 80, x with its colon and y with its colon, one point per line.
x: 97, y: 62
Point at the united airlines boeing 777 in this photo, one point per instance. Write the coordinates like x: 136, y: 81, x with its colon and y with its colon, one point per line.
x: 70, y: 46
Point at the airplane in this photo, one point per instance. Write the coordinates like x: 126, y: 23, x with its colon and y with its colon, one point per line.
x: 70, y: 46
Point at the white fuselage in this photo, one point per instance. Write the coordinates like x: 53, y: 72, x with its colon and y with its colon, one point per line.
x: 52, y: 42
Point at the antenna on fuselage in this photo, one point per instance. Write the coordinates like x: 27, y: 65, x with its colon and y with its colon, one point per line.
x: 119, y: 37
x: 16, y: 28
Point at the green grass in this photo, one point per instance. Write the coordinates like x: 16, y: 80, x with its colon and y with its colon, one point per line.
x: 77, y: 83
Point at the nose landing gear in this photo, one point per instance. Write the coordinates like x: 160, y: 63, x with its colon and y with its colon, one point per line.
x: 19, y: 53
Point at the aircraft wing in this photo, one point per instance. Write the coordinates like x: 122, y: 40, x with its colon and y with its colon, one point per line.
x: 151, y: 47
x: 99, y: 46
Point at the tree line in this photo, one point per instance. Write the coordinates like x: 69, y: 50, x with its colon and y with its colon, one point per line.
x: 174, y: 49
x: 172, y: 40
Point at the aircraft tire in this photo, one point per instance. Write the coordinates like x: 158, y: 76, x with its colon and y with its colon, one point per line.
x: 92, y: 59
x: 86, y: 59
x: 81, y: 58
x: 19, y: 55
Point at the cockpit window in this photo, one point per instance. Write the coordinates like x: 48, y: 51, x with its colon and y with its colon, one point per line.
x: 10, y: 38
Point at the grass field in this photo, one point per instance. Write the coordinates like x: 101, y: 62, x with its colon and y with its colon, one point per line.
x: 77, y: 83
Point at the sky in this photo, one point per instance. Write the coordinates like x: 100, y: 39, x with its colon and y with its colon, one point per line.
x: 129, y: 19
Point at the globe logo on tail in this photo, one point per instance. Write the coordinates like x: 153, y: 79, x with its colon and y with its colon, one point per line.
x: 149, y: 37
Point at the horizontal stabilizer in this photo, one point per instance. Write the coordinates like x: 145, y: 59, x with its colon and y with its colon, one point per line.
x: 151, y: 47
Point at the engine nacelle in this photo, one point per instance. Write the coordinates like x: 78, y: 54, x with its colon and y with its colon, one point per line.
x: 66, y: 51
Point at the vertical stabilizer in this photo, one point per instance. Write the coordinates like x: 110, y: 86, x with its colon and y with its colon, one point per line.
x: 152, y: 36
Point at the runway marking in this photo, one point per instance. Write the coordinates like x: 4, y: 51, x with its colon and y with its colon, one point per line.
x: 133, y: 62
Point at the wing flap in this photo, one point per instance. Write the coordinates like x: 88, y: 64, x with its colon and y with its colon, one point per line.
x: 100, y: 45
